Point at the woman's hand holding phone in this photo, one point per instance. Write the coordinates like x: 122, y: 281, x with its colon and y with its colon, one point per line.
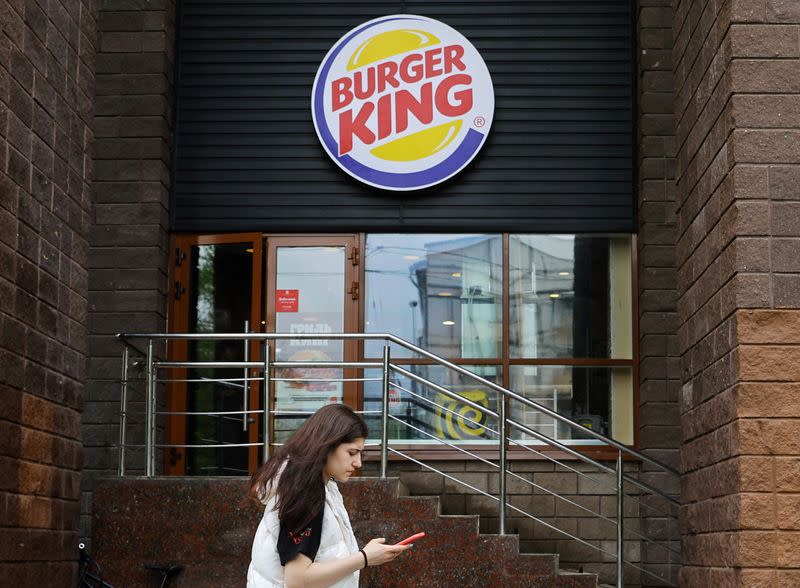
x: 411, y: 539
x: 379, y: 553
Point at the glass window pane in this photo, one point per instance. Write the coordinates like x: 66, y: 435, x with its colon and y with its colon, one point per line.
x: 600, y: 398
x: 440, y: 292
x: 570, y: 296
x: 309, y: 299
x: 219, y: 302
x: 425, y: 423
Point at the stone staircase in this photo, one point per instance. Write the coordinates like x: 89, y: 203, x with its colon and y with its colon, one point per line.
x: 206, y: 525
x: 453, y: 553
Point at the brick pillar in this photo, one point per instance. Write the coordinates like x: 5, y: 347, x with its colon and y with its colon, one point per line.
x: 129, y: 234
x: 659, y: 373
x: 738, y: 107
x: 46, y: 90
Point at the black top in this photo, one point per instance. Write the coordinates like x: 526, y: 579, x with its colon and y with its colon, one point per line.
x: 305, y: 542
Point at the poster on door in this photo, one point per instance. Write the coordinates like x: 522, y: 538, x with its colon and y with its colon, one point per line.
x: 308, y: 388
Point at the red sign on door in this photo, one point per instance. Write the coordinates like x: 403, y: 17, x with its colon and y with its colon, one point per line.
x: 287, y: 300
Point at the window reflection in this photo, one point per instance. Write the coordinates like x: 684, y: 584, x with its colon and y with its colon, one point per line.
x: 440, y: 292
x: 598, y: 398
x: 569, y: 296
x: 428, y: 415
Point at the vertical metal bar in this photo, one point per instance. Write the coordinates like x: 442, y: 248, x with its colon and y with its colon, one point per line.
x: 620, y: 527
x: 123, y: 410
x: 246, y: 383
x: 267, y: 398
x: 149, y: 412
x: 502, y: 473
x: 385, y: 412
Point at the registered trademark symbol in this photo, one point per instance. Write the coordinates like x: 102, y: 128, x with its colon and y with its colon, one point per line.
x: 479, y: 121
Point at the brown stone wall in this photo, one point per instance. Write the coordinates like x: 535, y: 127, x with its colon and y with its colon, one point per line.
x: 738, y: 99
x: 129, y: 234
x: 659, y: 375
x: 659, y: 360
x: 46, y: 89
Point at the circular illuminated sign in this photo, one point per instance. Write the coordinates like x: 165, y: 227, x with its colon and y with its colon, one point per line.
x: 402, y: 102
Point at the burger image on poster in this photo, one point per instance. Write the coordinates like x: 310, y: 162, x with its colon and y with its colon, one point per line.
x: 402, y: 102
x: 310, y: 388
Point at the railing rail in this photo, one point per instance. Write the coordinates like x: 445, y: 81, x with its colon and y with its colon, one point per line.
x: 504, y: 424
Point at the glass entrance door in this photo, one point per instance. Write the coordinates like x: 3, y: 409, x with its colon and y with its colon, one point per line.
x: 309, y: 287
x: 312, y: 289
x: 215, y: 286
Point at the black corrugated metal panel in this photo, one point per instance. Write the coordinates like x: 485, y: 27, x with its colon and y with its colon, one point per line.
x: 559, y: 156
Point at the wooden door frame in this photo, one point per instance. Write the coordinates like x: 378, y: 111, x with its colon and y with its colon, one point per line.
x: 354, y: 322
x: 352, y: 276
x: 178, y: 322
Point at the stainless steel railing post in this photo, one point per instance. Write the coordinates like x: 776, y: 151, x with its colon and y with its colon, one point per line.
x: 245, y: 381
x: 502, y: 473
x: 620, y: 520
x: 123, y: 410
x: 385, y: 413
x: 149, y: 413
x: 267, y: 400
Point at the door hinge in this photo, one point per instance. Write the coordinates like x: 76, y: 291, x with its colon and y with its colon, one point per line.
x: 179, y: 256
x: 179, y: 290
x: 353, y: 291
x: 354, y: 256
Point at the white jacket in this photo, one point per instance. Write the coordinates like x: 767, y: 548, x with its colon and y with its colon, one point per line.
x: 337, y: 541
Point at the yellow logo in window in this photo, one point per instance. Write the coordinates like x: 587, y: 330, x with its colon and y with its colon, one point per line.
x: 464, y: 422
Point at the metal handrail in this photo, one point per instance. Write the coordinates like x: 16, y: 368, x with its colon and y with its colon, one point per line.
x: 387, y: 367
x: 542, y: 437
x: 403, y: 343
x: 584, y: 475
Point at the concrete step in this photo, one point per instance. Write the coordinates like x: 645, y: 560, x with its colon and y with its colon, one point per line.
x: 454, y: 553
x: 382, y: 499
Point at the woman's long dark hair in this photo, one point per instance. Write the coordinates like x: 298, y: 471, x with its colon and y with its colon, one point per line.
x: 300, y: 488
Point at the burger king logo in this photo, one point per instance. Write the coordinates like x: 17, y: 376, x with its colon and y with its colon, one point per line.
x: 402, y: 102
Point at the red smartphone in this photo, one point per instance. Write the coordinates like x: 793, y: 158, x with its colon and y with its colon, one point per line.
x: 411, y: 539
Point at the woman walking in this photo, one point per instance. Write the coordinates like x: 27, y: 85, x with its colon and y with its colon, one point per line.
x: 305, y: 539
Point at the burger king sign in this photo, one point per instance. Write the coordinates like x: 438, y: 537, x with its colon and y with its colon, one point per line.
x: 402, y: 102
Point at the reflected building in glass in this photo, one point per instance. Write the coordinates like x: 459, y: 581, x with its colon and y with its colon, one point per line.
x: 569, y: 312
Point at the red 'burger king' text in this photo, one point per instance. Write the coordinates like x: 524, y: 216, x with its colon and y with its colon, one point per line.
x: 374, y: 84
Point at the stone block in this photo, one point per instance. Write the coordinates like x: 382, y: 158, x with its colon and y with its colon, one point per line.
x: 787, y: 512
x: 764, y: 41
x: 768, y: 363
x: 786, y: 219
x: 423, y: 483
x: 576, y: 506
x: 784, y: 182
x: 515, y: 483
x: 476, y: 480
x: 560, y: 483
x: 782, y: 11
x: 453, y: 504
x: 786, y: 290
